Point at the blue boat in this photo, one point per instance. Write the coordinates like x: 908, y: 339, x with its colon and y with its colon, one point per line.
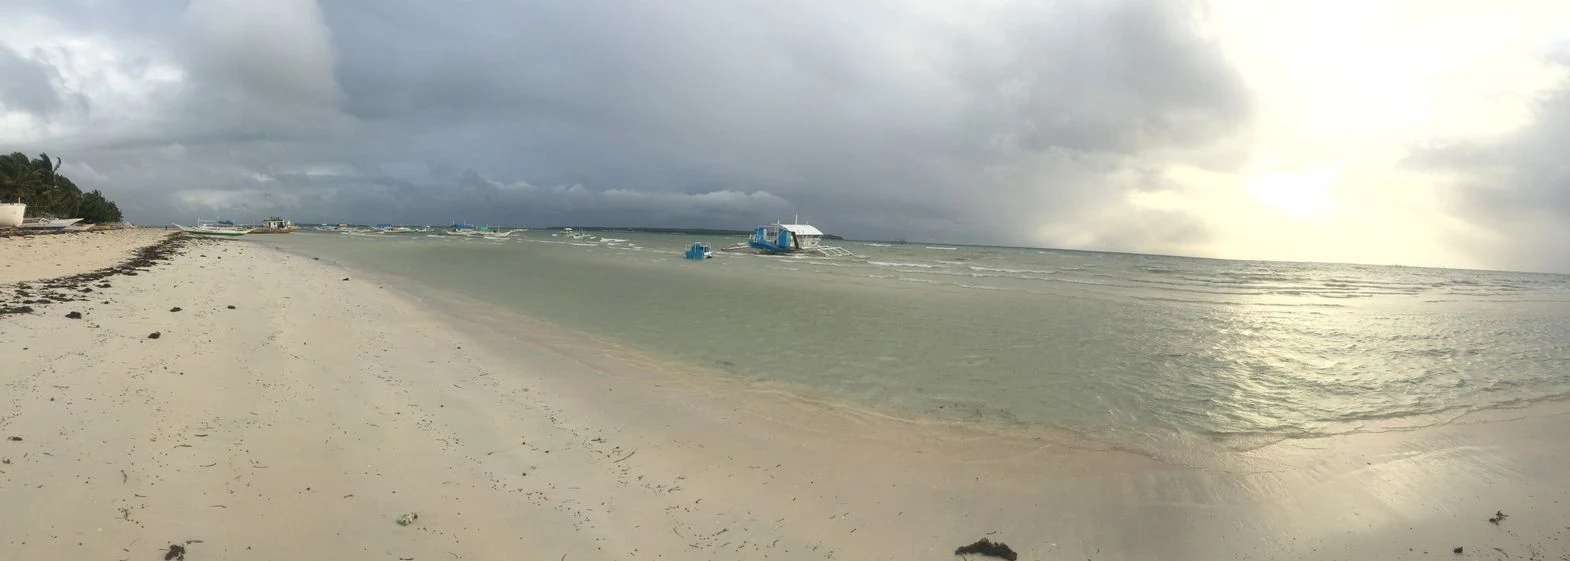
x: 698, y: 252
x: 777, y: 238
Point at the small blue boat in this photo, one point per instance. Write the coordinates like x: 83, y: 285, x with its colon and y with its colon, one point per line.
x: 698, y: 252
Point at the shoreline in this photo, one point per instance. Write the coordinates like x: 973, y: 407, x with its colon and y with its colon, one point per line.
x: 1170, y: 446
x: 328, y: 403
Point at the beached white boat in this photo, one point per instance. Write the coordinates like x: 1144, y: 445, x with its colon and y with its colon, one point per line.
x: 48, y: 223
x: 11, y: 214
x: 222, y: 229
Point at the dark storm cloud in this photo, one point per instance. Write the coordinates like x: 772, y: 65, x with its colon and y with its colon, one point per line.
x: 871, y: 118
x: 1516, y: 189
x: 28, y: 84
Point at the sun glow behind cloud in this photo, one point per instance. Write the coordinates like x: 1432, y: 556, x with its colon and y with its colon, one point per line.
x: 1344, y: 90
x: 1294, y: 193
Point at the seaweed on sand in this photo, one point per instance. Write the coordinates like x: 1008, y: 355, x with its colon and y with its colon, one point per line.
x: 989, y: 548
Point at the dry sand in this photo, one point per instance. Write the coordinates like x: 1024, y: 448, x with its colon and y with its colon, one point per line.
x: 44, y: 256
x: 304, y: 422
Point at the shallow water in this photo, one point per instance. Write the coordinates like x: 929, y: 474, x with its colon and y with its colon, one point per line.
x: 1118, y: 347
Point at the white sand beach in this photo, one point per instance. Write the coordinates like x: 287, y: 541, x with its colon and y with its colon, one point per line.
x: 44, y: 256
x: 296, y: 409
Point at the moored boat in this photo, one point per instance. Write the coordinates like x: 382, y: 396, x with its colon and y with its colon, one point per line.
x: 461, y: 229
x: 219, y: 229
x: 274, y: 225
x: 779, y: 239
x: 698, y: 251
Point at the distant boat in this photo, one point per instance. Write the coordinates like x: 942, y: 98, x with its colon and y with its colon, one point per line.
x: 274, y: 225
x: 485, y: 232
x: 571, y: 234
x: 222, y: 229
x: 777, y: 238
x: 48, y: 223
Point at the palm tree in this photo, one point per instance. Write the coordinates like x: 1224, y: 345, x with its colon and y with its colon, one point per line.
x: 53, y: 193
x: 18, y: 176
x: 38, y: 183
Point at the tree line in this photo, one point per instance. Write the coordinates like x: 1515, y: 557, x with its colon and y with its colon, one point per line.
x: 38, y: 183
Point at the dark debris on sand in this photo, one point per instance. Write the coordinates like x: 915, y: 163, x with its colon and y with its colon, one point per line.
x: 155, y: 335
x: 74, y: 315
x: 177, y: 551
x: 989, y: 548
x: 76, y: 287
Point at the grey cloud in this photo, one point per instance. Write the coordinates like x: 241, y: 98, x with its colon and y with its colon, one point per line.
x: 28, y: 84
x: 871, y: 118
x: 1516, y: 189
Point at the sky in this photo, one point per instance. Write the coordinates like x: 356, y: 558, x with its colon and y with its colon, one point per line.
x: 1428, y: 133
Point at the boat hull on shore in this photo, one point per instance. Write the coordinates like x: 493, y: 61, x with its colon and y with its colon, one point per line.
x: 11, y: 214
x: 49, y: 223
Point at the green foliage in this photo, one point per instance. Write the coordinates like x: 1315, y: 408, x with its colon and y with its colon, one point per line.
x: 38, y: 183
x: 96, y: 209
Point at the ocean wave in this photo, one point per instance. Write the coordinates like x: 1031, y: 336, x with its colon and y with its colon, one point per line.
x: 1015, y: 271
x: 983, y: 287
x: 899, y: 264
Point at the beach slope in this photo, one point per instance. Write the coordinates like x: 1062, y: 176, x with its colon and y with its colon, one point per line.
x: 236, y: 402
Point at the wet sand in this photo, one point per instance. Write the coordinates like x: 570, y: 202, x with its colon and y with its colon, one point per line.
x: 326, y: 405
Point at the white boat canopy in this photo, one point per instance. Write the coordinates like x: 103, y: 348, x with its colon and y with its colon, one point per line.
x: 802, y: 230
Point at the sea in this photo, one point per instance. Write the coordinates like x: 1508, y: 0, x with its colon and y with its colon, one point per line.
x: 1117, y: 348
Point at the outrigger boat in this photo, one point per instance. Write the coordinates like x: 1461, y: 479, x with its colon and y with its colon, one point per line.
x: 48, y: 223
x: 217, y: 229
x: 780, y: 239
x: 461, y: 229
